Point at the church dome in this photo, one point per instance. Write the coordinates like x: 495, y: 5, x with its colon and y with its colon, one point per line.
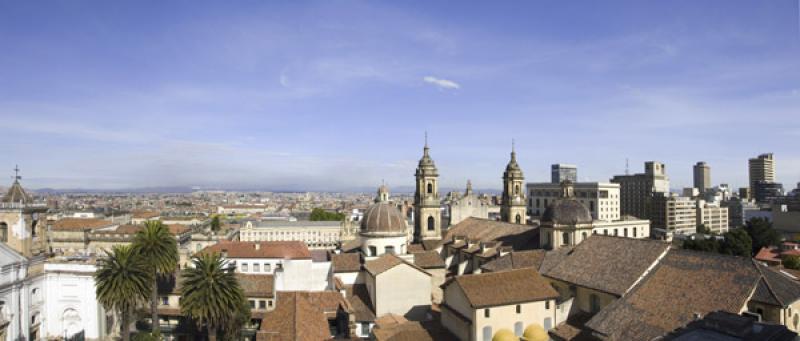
x: 567, y: 210
x: 383, y: 218
x: 535, y: 332
x: 504, y: 335
x: 16, y: 194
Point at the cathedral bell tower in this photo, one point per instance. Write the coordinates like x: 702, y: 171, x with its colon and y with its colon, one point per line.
x: 514, y: 208
x: 427, y: 207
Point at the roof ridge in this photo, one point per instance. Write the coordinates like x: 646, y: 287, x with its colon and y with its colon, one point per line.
x: 766, y: 282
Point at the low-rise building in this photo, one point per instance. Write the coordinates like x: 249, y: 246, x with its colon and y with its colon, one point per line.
x: 713, y: 216
x: 396, y: 286
x: 477, y: 306
x: 316, y: 234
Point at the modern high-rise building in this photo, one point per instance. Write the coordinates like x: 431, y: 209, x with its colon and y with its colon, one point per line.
x: 561, y: 171
x: 713, y: 216
x: 601, y: 198
x: 673, y: 214
x: 761, y: 168
x: 702, y: 177
x: 766, y: 191
x: 637, y: 190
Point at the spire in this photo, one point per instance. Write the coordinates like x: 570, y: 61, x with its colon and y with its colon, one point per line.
x: 16, y: 174
x: 426, y: 145
x: 513, y: 152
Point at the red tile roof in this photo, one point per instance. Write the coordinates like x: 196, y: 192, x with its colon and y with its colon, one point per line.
x: 270, y: 249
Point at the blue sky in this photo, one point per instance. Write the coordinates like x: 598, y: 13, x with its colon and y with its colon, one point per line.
x: 334, y: 95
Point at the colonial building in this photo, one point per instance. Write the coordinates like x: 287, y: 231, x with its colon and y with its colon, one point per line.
x: 22, y: 221
x: 316, y: 234
x: 477, y: 306
x: 384, y: 228
x: 463, y: 206
x: 513, y: 208
x: 427, y: 205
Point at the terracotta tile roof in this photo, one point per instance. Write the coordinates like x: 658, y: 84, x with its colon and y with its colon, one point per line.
x: 775, y: 288
x: 358, y: 297
x: 768, y: 254
x: 412, y: 331
x: 608, y: 264
x: 301, y: 316
x: 684, y: 283
x: 270, y: 249
x: 504, y: 287
x: 553, y: 258
x: 174, y: 229
x: 257, y: 285
x: 352, y: 245
x: 429, y: 260
x: 80, y: 224
x: 516, y: 260
x: 414, y: 248
x: 385, y: 262
x: 519, y: 237
x: 346, y: 262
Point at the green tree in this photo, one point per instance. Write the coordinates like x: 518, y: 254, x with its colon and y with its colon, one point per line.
x: 706, y: 245
x: 159, y: 248
x: 761, y: 233
x: 701, y: 228
x: 318, y: 214
x: 210, y: 293
x: 791, y: 262
x: 215, y: 223
x: 122, y: 282
x: 737, y: 242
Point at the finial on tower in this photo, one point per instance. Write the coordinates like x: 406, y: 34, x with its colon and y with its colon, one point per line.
x: 16, y: 173
x: 426, y: 139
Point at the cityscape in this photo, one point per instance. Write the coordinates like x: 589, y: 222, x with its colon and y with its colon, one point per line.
x: 382, y: 171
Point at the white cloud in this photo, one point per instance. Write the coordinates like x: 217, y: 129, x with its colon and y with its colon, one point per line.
x: 441, y: 83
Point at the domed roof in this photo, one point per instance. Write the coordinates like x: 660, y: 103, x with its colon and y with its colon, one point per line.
x: 504, y: 335
x: 383, y: 218
x: 535, y: 332
x: 567, y: 210
x: 16, y: 194
x: 426, y: 165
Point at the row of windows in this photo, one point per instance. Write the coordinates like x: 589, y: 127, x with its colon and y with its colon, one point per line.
x: 262, y: 304
x: 245, y: 267
x: 580, y: 194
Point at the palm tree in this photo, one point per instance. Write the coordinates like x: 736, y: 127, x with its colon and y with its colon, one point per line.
x: 160, y: 249
x: 210, y: 292
x: 122, y: 281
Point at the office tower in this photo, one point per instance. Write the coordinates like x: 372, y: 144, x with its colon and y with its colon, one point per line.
x: 601, y: 198
x: 637, y: 190
x: 702, y: 177
x: 761, y: 168
x: 561, y: 171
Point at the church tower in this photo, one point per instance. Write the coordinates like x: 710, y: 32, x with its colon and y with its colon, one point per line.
x: 427, y: 211
x: 514, y: 208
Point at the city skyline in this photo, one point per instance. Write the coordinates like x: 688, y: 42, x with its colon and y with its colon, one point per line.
x: 333, y: 96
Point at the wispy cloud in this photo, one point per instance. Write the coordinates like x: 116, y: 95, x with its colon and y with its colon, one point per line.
x: 441, y: 83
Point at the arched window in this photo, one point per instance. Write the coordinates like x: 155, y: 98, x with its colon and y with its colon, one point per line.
x: 431, y: 223
x: 516, y: 189
x: 565, y: 238
x: 430, y: 188
x: 518, y: 328
x: 487, y: 333
x: 518, y: 219
x: 4, y: 232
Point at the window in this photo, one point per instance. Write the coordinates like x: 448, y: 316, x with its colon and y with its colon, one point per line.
x: 487, y: 333
x: 548, y: 323
x: 546, y: 304
x: 519, y: 309
x: 565, y: 238
x: 518, y: 328
x: 269, y: 303
x: 252, y: 304
x: 431, y: 223
x: 625, y: 232
x: 584, y: 236
x: 516, y: 189
x: 615, y: 232
x: 518, y: 219
x: 262, y: 304
x: 486, y: 312
x: 256, y: 267
x: 537, y: 202
x: 605, y: 232
x: 267, y: 267
x: 164, y: 300
x: 365, y: 328
x: 594, y: 303
x: 245, y: 267
x: 4, y: 232
x: 373, y: 251
x: 430, y: 188
x: 389, y: 250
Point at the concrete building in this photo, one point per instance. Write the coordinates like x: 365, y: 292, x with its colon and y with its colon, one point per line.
x: 673, y: 214
x: 766, y: 191
x: 637, y: 191
x: 560, y: 172
x: 702, y: 177
x: 761, y: 168
x: 713, y: 216
x: 519, y: 301
x: 513, y: 208
x: 427, y: 206
x: 602, y: 198
x: 316, y: 234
